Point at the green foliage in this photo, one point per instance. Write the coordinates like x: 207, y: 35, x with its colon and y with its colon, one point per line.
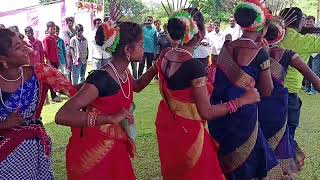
x: 132, y: 10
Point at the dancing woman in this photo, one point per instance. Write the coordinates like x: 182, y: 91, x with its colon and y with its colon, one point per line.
x: 186, y: 149
x: 24, y: 145
x: 273, y: 110
x: 99, y: 147
x: 243, y: 64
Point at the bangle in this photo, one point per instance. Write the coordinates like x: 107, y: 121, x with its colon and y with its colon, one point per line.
x: 265, y: 65
x: 92, y: 118
x: 232, y: 106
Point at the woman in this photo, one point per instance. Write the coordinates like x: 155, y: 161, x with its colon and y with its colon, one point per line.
x: 186, y: 149
x: 99, y: 147
x: 273, y: 110
x: 242, y: 64
x: 24, y: 145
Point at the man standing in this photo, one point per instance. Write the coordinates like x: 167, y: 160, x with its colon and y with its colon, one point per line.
x: 37, y: 55
x: 100, y: 57
x: 216, y: 37
x: 314, y: 60
x: 51, y: 53
x: 234, y: 29
x: 67, y: 35
x: 150, y: 45
x: 79, y: 51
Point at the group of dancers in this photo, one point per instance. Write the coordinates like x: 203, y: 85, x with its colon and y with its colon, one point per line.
x: 241, y: 96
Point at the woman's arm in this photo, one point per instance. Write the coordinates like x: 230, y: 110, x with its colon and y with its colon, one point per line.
x: 211, y: 112
x: 265, y: 83
x: 304, y: 69
x: 145, y: 79
x: 13, y: 121
x: 70, y: 113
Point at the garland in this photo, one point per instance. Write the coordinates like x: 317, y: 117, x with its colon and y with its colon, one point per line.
x: 191, y: 28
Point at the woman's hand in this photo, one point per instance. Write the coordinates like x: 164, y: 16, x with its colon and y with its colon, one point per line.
x: 252, y: 96
x: 14, y: 120
x: 122, y: 115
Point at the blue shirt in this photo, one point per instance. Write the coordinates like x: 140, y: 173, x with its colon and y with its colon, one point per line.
x: 61, y: 51
x: 150, y: 39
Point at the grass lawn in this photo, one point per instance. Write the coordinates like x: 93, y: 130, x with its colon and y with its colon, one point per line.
x: 147, y: 165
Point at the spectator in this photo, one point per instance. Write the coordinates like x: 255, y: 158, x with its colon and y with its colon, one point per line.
x: 150, y: 45
x: 67, y: 35
x: 51, y: 53
x: 157, y: 24
x: 164, y: 40
x: 100, y: 57
x: 216, y: 37
x: 228, y: 38
x: 62, y: 54
x: 79, y: 52
x: 234, y: 29
x: 314, y: 60
x: 37, y: 53
x: 96, y: 23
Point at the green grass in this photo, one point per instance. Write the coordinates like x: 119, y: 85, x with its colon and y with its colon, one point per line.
x: 147, y: 165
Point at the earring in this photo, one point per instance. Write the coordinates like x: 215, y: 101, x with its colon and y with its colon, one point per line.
x: 5, y: 65
x: 128, y: 58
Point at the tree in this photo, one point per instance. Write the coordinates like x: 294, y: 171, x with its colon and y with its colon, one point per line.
x: 132, y: 10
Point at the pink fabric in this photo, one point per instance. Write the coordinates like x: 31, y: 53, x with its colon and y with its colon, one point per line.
x: 37, y: 56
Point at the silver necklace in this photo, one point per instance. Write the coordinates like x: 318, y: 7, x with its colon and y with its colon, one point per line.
x: 247, y: 39
x: 183, y: 50
x: 21, y: 91
x: 120, y: 80
x: 13, y: 80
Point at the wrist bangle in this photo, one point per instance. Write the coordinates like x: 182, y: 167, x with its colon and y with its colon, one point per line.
x: 265, y: 65
x: 92, y: 119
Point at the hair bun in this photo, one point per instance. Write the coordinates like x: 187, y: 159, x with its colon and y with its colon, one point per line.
x: 245, y: 17
x: 176, y: 29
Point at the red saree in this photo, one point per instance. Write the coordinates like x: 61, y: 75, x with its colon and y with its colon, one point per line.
x: 186, y: 149
x: 102, y: 152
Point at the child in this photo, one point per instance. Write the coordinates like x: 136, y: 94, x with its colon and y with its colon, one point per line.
x: 51, y: 52
x: 37, y: 55
x: 61, y: 54
x: 80, y: 53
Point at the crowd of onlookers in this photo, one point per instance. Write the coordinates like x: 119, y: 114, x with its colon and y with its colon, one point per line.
x: 70, y: 52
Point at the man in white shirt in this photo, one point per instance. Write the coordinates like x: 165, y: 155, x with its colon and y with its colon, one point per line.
x: 234, y: 29
x: 99, y: 56
x: 216, y: 37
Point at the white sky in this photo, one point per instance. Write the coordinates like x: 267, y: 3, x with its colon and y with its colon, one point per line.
x: 7, y: 5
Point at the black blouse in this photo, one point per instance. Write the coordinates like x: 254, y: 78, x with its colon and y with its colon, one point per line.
x: 188, y: 71
x: 105, y: 84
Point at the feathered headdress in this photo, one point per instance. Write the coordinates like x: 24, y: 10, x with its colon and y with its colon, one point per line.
x: 279, y: 19
x: 263, y: 14
x: 111, y: 30
x: 178, y: 11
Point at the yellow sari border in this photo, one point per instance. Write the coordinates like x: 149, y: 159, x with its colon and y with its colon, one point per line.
x: 93, y: 156
x: 195, y: 150
x: 182, y: 109
x: 236, y: 158
x: 277, y: 70
x: 275, y: 140
x: 232, y: 70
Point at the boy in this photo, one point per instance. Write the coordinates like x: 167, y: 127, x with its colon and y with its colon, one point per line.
x: 61, y: 54
x: 80, y: 53
x: 51, y: 52
x: 37, y: 55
